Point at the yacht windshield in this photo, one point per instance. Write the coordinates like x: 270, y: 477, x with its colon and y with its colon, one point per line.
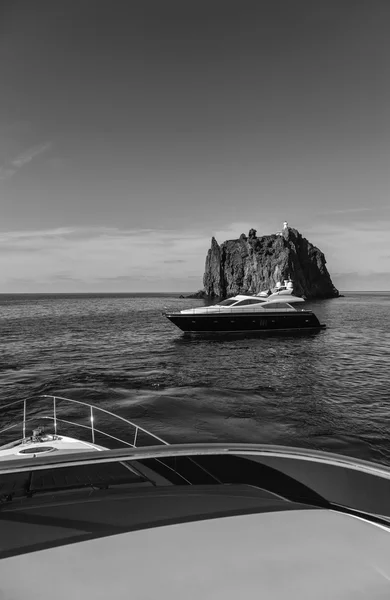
x: 228, y: 302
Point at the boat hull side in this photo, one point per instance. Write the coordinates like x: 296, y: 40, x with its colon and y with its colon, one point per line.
x: 198, y: 323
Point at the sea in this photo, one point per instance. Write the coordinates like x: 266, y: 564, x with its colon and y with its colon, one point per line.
x: 328, y: 391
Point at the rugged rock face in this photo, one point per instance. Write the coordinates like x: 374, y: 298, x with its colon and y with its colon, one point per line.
x: 252, y: 264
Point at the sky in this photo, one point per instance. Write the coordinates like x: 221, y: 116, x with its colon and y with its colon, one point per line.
x: 133, y: 132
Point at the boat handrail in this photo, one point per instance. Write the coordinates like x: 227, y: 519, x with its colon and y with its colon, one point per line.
x: 215, y: 311
x: 193, y: 450
x: 54, y: 401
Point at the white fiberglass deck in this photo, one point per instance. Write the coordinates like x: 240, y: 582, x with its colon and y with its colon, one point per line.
x: 300, y: 555
x: 58, y: 444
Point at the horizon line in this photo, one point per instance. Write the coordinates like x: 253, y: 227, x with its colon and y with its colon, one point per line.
x: 152, y: 292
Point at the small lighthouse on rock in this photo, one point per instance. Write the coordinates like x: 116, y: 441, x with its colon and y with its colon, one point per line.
x: 285, y: 228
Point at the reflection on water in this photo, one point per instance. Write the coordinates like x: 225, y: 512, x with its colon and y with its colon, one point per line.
x: 327, y: 390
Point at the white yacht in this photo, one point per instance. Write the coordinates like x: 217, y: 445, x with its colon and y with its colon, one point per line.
x: 212, y: 521
x: 246, y: 313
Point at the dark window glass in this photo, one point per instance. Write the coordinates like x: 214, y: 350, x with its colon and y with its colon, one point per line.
x: 228, y: 302
x: 275, y: 305
x: 249, y: 301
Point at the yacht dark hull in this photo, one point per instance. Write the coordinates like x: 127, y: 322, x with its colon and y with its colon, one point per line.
x: 249, y: 322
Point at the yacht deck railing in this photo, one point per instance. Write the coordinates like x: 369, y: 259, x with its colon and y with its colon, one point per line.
x: 194, y: 450
x: 231, y: 311
x: 52, y: 415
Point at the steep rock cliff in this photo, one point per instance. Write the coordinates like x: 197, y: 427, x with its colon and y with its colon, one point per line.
x: 252, y: 264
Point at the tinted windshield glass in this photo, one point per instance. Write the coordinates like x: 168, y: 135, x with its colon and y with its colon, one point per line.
x: 250, y: 301
x: 228, y: 302
x: 275, y: 305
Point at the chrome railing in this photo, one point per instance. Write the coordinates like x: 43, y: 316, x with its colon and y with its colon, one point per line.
x: 341, y: 482
x: 194, y: 450
x: 231, y: 311
x: 51, y: 413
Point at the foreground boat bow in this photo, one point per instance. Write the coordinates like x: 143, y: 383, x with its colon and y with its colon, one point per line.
x: 205, y: 520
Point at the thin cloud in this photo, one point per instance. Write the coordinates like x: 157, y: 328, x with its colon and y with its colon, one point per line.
x: 98, y: 256
x: 6, y: 172
x: 27, y: 156
x: 346, y: 211
x: 9, y: 169
x: 354, y: 217
x: 357, y: 281
x: 353, y: 246
x: 234, y: 230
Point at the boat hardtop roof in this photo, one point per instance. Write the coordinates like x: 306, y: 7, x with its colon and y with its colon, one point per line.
x: 265, y: 299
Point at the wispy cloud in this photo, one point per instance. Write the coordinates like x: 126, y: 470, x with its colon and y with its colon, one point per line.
x: 9, y: 169
x: 234, y: 230
x: 346, y: 211
x: 102, y: 258
x: 6, y: 172
x: 27, y: 156
x: 356, y: 281
x: 353, y: 246
x: 173, y: 261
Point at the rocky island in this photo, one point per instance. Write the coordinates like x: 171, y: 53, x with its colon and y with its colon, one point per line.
x: 251, y: 264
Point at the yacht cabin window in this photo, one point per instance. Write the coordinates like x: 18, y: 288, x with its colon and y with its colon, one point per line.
x: 227, y: 302
x: 276, y: 305
x: 248, y: 301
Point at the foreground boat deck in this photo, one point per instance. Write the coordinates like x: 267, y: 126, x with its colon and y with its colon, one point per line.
x: 210, y: 521
x: 217, y: 542
x: 53, y: 520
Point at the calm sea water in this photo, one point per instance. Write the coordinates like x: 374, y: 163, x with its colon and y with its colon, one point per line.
x: 327, y: 391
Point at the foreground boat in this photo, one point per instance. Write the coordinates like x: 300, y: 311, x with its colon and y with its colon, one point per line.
x: 185, y: 521
x: 244, y: 313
